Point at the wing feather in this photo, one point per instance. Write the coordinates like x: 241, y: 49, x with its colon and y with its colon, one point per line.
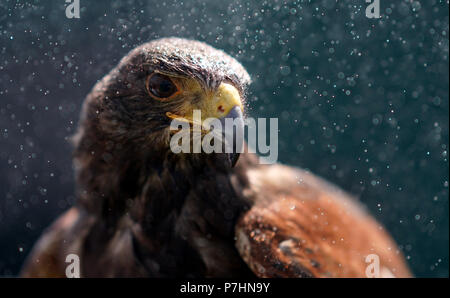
x: 302, y: 226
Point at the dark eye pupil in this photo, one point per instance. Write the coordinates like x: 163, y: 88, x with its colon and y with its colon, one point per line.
x: 161, y: 86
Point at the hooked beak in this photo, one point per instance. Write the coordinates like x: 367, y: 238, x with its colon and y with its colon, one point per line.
x: 225, y: 105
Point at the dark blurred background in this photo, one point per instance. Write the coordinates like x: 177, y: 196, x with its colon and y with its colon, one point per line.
x: 361, y: 102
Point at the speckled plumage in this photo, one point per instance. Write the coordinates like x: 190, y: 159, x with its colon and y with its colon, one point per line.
x: 144, y: 211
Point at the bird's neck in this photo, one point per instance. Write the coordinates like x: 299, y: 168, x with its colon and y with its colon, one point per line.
x: 159, y: 187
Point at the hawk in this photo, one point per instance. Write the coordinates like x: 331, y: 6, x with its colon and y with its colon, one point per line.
x: 145, y: 211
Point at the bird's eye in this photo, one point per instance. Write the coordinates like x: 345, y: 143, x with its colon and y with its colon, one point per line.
x: 160, y: 87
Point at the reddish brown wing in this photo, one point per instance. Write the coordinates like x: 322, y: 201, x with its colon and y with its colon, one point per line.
x: 301, y: 226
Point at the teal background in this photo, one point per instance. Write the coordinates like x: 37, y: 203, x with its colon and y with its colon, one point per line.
x: 361, y: 102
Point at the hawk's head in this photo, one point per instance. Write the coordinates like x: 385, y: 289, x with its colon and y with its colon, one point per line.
x: 125, y: 123
x: 157, y: 82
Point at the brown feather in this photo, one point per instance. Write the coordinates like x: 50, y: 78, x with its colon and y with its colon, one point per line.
x: 301, y: 226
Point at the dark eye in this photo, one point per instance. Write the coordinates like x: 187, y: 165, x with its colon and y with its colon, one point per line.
x: 160, y: 86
